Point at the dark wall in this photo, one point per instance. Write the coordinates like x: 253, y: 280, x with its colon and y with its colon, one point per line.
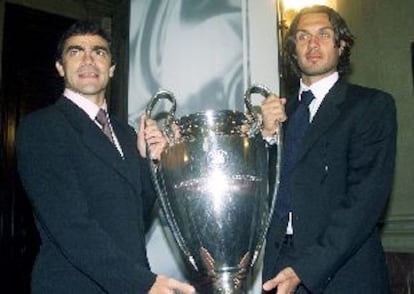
x: 29, y: 83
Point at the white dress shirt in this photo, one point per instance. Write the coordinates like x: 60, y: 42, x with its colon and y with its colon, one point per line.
x: 91, y: 110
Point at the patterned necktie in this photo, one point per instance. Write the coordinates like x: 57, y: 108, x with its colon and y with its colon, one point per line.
x: 296, y: 127
x: 102, y: 119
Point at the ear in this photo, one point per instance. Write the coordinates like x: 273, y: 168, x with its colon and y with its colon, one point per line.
x: 59, y: 68
x: 112, y: 70
x: 342, y: 45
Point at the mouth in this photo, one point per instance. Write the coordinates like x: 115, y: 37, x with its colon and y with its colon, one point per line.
x: 313, y: 57
x: 88, y: 72
x: 88, y: 75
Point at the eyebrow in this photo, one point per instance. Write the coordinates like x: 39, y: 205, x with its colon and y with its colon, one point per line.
x: 321, y: 29
x: 94, y: 48
x: 71, y: 47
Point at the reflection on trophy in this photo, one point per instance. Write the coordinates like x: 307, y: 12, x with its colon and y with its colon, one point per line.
x: 213, y: 186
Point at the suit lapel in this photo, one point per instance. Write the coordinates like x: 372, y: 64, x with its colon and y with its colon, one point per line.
x: 93, y: 138
x: 327, y: 113
x: 129, y: 148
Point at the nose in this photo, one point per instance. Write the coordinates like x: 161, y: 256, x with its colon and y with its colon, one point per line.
x: 314, y: 40
x: 88, y: 58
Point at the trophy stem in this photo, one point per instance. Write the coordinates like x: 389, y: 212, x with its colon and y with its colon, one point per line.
x: 223, y: 283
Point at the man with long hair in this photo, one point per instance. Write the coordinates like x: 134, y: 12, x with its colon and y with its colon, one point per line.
x: 337, y: 169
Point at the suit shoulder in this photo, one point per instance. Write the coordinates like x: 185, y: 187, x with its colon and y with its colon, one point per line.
x: 45, y: 118
x: 360, y: 92
x: 41, y: 114
x: 371, y: 102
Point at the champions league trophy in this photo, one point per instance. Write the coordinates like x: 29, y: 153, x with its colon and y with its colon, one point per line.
x: 213, y: 186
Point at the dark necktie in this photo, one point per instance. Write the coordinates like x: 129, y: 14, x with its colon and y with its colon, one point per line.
x: 296, y: 127
x: 102, y: 119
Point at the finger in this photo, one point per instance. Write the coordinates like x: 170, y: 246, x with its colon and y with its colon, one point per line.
x: 152, y: 126
x: 155, y: 136
x: 273, y: 283
x: 142, y: 124
x: 150, y: 122
x: 141, y: 132
x: 270, y: 285
x: 181, y: 287
x: 155, y: 142
x: 285, y: 288
x: 272, y: 108
x: 153, y: 131
x: 272, y: 96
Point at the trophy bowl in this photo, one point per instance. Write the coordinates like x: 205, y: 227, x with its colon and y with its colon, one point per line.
x: 214, y: 192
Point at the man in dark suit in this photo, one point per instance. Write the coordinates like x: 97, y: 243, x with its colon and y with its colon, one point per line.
x: 324, y: 236
x: 88, y: 184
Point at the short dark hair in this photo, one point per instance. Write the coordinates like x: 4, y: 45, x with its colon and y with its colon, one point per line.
x: 341, y: 30
x: 81, y: 28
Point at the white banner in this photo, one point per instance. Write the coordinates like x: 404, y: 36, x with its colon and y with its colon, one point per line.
x: 207, y: 52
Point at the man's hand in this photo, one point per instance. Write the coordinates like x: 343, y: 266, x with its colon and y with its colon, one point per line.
x: 150, y: 133
x: 165, y: 285
x: 273, y: 112
x: 286, y: 282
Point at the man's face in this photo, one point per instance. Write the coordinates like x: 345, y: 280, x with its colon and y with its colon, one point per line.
x: 317, y: 54
x: 86, y: 65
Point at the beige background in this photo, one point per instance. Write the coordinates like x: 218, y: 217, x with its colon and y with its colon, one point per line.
x: 381, y: 58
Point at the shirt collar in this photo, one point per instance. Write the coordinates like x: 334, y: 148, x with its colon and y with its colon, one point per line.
x: 321, y: 87
x: 85, y: 104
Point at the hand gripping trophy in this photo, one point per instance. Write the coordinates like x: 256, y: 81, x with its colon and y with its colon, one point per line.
x: 213, y: 187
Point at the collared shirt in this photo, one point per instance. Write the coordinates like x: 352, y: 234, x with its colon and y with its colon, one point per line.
x: 319, y: 90
x: 91, y: 110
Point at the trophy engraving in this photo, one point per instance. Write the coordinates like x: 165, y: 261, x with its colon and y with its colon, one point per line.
x: 213, y: 187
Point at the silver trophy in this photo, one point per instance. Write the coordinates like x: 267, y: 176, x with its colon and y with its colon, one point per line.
x: 213, y: 186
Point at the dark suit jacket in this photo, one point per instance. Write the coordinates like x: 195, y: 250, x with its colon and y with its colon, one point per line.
x: 88, y: 202
x: 339, y: 189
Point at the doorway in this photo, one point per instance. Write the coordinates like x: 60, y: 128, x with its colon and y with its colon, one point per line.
x: 30, y: 82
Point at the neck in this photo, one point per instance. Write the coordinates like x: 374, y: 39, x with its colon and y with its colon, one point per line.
x: 96, y: 98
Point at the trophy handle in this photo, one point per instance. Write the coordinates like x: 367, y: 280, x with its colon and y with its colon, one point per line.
x: 251, y: 113
x: 265, y: 92
x: 164, y: 94
x: 157, y: 178
x: 254, y: 89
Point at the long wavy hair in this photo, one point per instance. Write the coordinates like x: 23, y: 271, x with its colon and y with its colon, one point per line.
x: 341, y: 30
